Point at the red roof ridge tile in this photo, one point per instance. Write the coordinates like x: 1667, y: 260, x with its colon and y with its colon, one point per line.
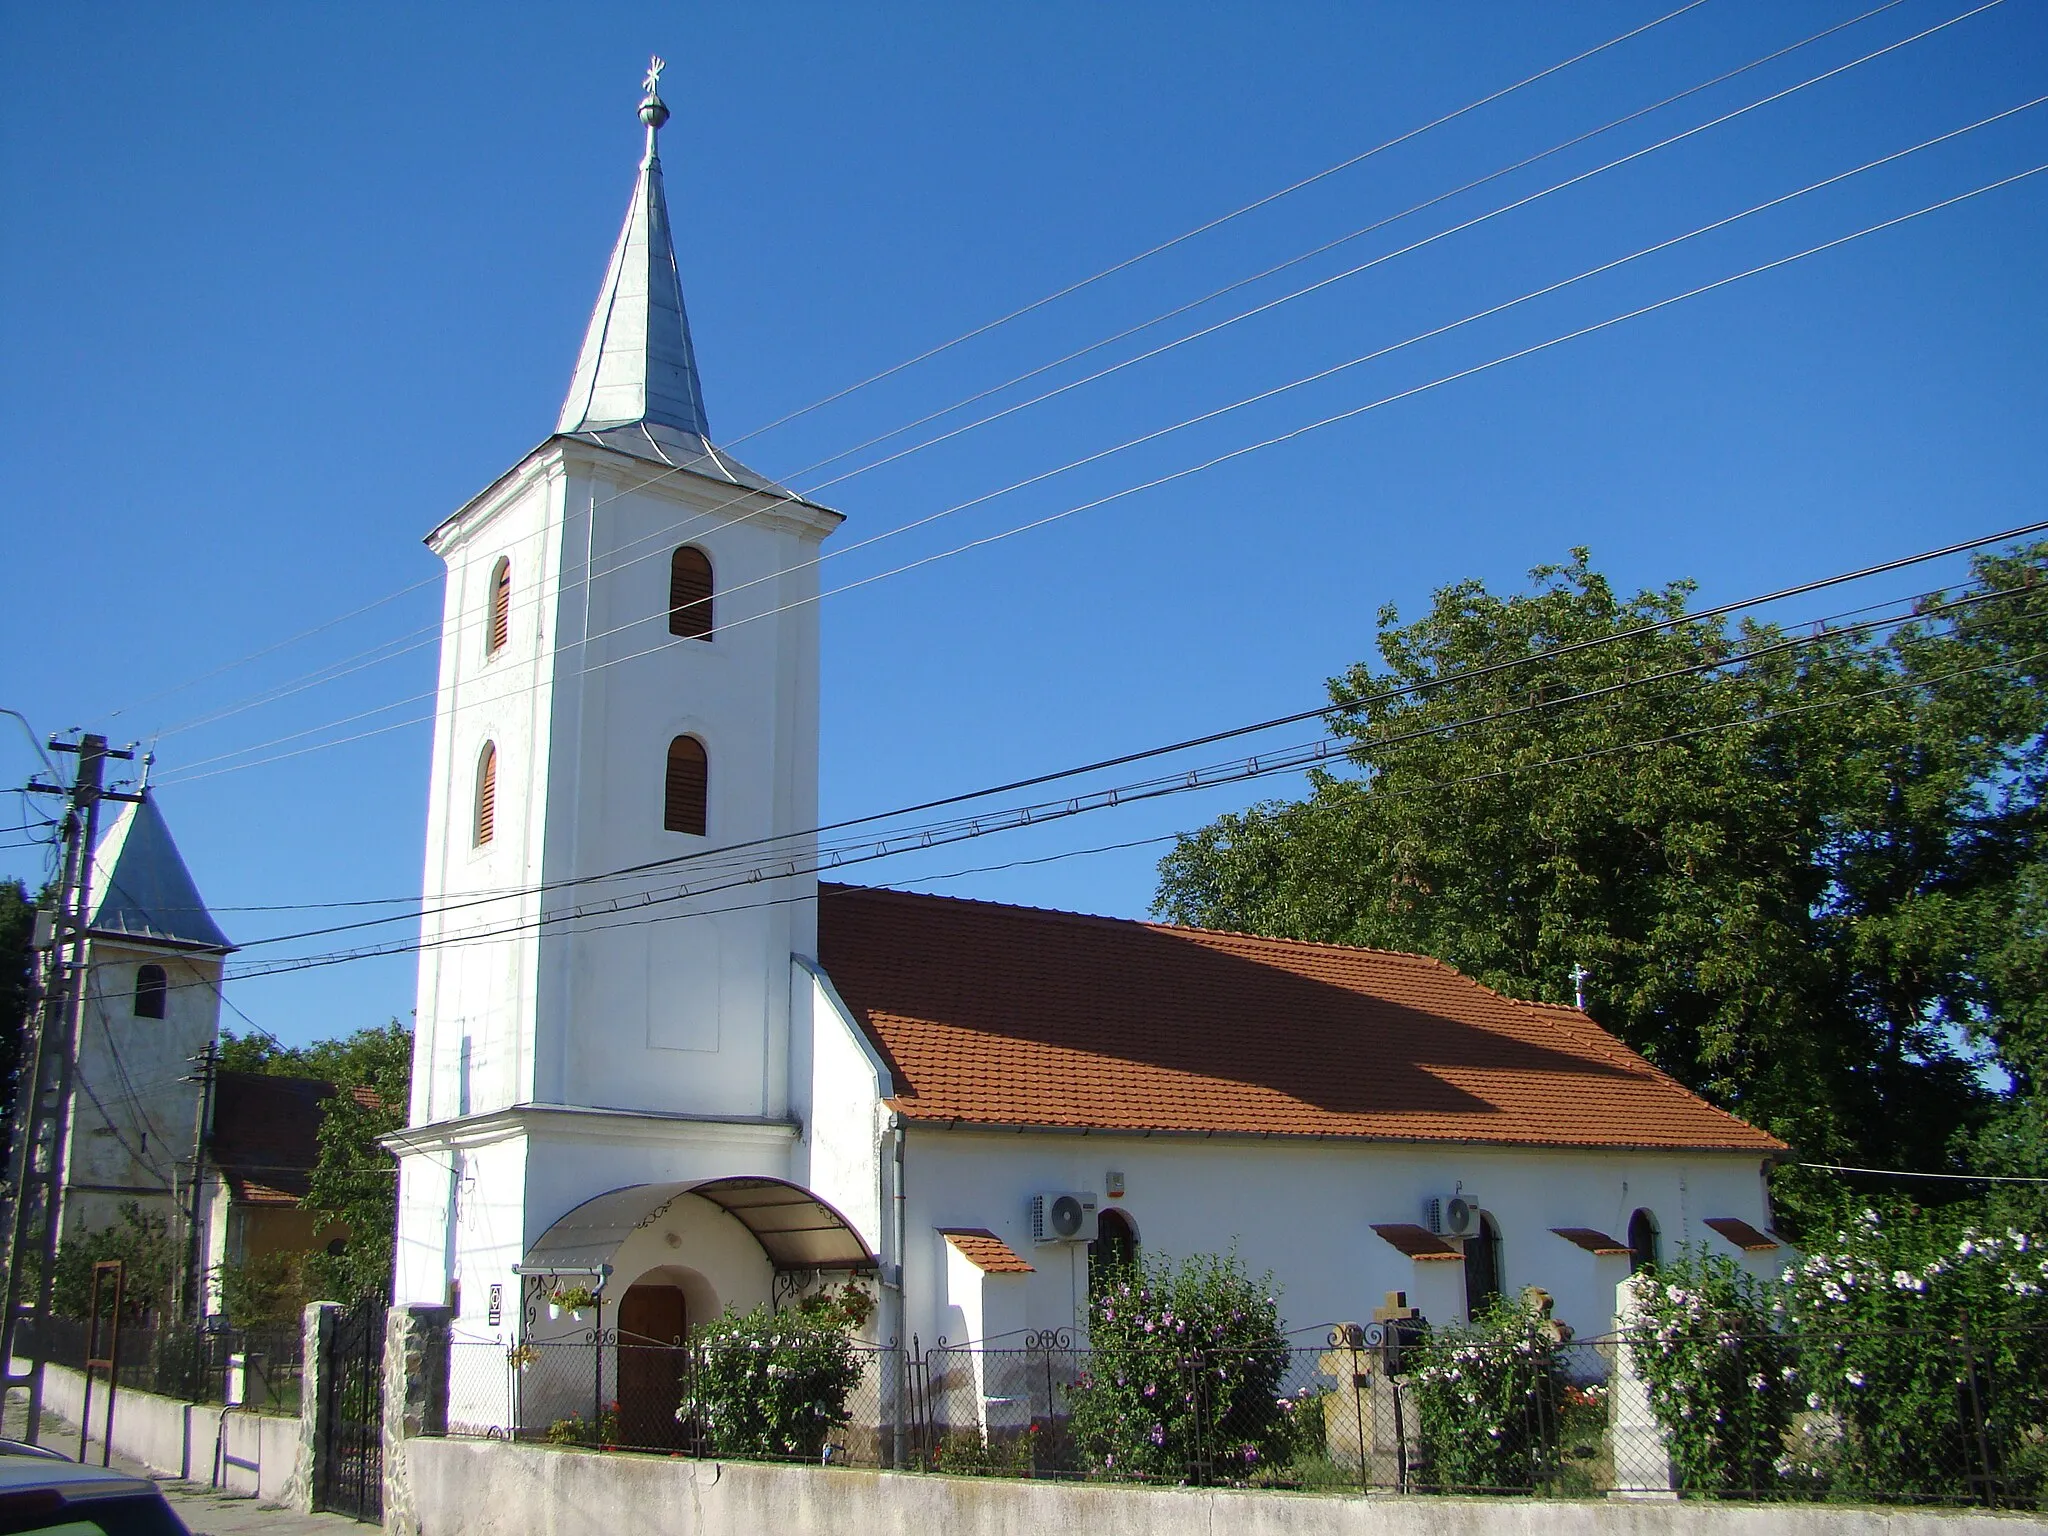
x: 1061, y: 914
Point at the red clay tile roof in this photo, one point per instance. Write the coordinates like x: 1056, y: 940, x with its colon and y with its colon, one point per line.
x: 1742, y: 1234
x: 985, y: 1251
x: 1592, y: 1241
x: 266, y: 1134
x: 1000, y: 1015
x: 1419, y: 1243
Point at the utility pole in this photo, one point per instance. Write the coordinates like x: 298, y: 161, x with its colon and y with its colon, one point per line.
x: 194, y: 1289
x: 42, y: 1115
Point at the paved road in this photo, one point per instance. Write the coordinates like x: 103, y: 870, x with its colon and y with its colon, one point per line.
x: 208, y: 1513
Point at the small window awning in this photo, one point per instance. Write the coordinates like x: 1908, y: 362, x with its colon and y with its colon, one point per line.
x: 1742, y: 1234
x: 1598, y: 1243
x: 795, y: 1229
x: 985, y: 1251
x: 1419, y: 1243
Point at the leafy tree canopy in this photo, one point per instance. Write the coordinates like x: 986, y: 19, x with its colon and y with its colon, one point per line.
x: 1803, y: 869
x: 17, y: 972
x: 355, y: 1180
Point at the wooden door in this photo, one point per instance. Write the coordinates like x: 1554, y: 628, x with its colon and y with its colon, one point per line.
x: 653, y: 1324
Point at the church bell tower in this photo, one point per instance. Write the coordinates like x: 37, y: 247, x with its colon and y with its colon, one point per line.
x: 624, y: 775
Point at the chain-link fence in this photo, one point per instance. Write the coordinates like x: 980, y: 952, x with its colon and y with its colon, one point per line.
x: 259, y: 1367
x: 1361, y: 1410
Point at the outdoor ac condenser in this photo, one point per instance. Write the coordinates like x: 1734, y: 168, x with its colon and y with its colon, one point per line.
x: 1453, y: 1215
x: 1063, y: 1217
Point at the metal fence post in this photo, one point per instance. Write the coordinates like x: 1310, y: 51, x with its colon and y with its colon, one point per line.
x: 1976, y: 1429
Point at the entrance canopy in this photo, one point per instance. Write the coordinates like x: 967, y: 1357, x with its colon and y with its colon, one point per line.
x: 794, y: 1227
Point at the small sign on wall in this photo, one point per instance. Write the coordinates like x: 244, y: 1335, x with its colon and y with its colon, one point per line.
x: 496, y: 1312
x: 1113, y: 1182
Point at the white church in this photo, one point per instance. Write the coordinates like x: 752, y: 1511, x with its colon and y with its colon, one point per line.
x: 656, y: 1057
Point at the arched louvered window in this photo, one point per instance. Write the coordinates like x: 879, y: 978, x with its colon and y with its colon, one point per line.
x: 486, y: 794
x: 500, y: 628
x: 689, y: 593
x: 689, y: 787
x: 152, y: 992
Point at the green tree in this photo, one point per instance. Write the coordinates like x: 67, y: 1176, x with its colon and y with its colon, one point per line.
x: 17, y: 975
x: 143, y: 1242
x: 355, y: 1181
x: 1804, y: 870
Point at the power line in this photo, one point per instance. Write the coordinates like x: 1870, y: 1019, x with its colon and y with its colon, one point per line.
x: 1462, y: 676
x: 192, y: 776
x: 918, y: 839
x: 759, y: 853
x: 589, y: 924
x: 1907, y: 1173
x: 1202, y: 229
x: 544, y: 596
x: 1038, y: 304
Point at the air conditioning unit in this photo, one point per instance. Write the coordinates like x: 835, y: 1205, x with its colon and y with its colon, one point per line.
x: 1453, y: 1215
x: 1063, y: 1217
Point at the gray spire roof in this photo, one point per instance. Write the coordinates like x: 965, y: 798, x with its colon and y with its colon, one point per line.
x: 637, y: 363
x: 636, y: 389
x: 141, y: 888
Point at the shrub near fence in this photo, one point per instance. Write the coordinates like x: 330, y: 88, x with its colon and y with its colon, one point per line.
x: 1488, y: 1401
x: 1351, y: 1427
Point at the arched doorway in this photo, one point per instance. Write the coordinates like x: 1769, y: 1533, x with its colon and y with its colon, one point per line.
x: 654, y: 1327
x: 1114, y: 1250
x: 1642, y: 1242
x: 1482, y: 1267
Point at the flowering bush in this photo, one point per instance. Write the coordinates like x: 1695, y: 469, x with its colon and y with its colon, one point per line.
x: 1184, y: 1377
x: 1485, y: 1397
x: 1719, y: 1376
x: 1911, y: 1329
x: 775, y: 1383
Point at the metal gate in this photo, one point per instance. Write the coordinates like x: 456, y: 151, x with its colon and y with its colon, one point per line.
x: 348, y: 1469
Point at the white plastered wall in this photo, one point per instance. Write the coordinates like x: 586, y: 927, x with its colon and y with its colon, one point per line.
x: 842, y: 1082
x: 1305, y: 1210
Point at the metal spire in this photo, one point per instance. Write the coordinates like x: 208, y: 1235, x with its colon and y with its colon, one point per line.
x: 637, y: 363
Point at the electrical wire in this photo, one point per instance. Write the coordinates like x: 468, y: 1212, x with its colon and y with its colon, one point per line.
x: 717, y: 861
x: 191, y: 775
x: 544, y: 597
x: 1385, y: 696
x: 341, y: 958
x: 1071, y: 288
x: 1906, y: 1173
x: 1034, y: 815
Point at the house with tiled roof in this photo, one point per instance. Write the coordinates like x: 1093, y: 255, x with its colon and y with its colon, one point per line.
x: 261, y: 1150
x: 657, y: 1060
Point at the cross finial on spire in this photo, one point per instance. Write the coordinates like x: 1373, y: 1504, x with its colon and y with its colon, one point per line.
x: 1579, y: 975
x: 653, y: 110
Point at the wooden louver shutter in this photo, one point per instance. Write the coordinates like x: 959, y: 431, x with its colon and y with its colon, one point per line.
x: 689, y: 594
x: 487, y: 796
x: 501, y: 607
x: 689, y: 775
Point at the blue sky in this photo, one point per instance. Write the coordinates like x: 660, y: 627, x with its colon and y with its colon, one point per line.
x: 285, y: 285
